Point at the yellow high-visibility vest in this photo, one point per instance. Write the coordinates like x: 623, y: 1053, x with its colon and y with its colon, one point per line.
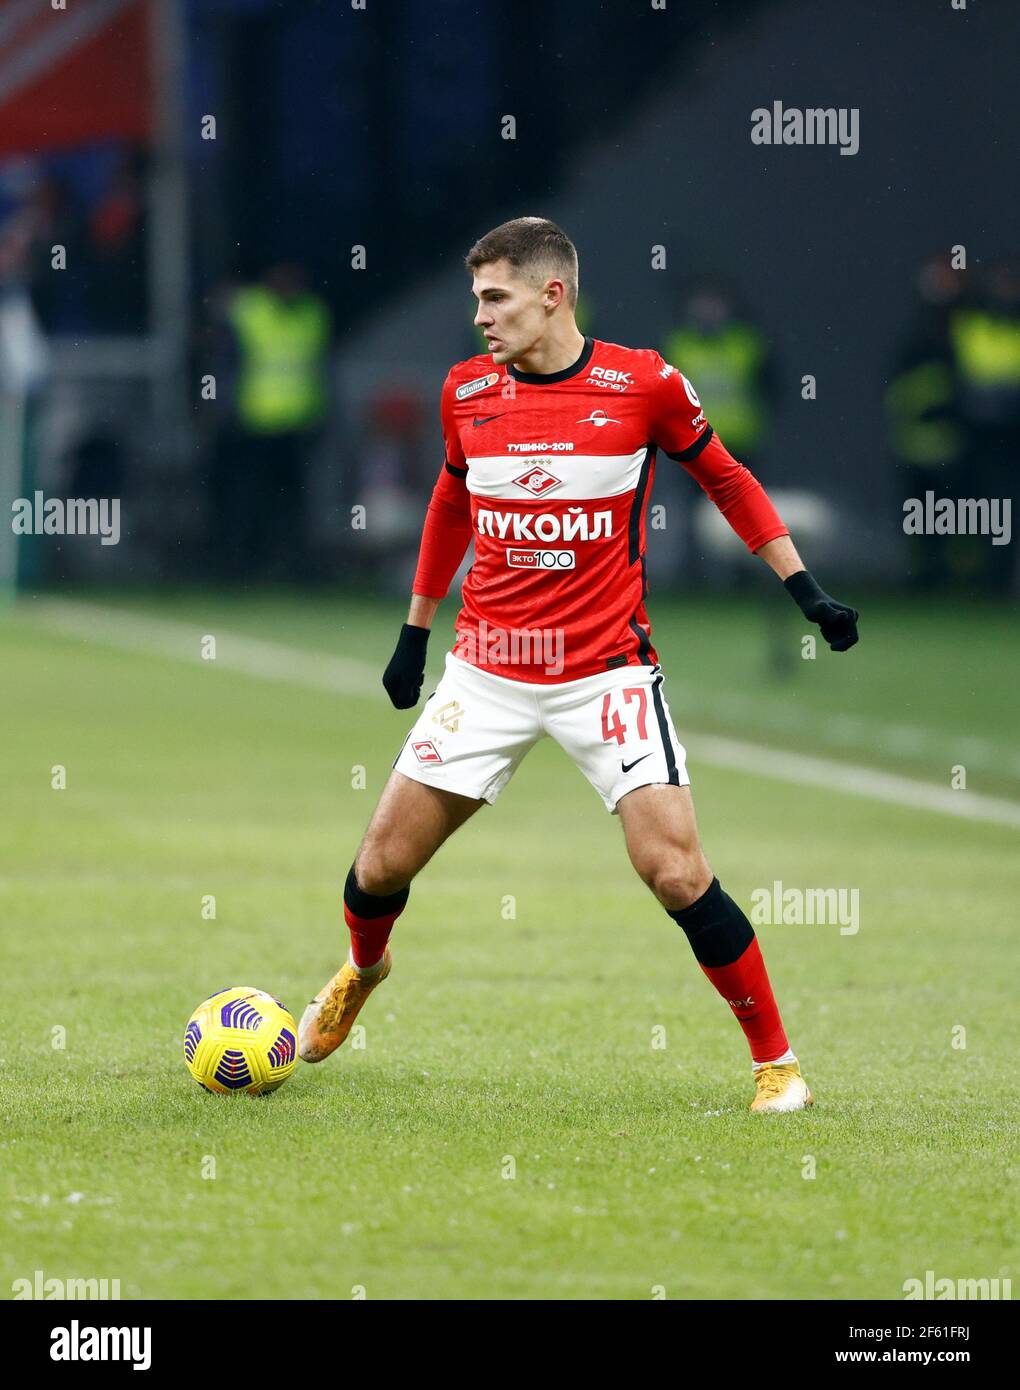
x: 281, y: 384
x: 723, y: 368
x: 987, y: 348
x: 923, y: 390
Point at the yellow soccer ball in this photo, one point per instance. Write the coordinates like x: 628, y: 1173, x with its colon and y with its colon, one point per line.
x: 240, y: 1039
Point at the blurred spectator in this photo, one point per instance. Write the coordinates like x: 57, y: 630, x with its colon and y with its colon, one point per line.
x: 273, y: 352
x: 395, y: 476
x: 58, y: 295
x: 46, y: 217
x: 117, y: 279
x: 97, y: 467
x: 22, y: 346
x: 985, y: 338
x: 727, y: 359
x: 926, y: 433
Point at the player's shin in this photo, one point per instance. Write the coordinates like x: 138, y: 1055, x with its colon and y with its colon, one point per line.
x: 370, y: 918
x: 727, y: 950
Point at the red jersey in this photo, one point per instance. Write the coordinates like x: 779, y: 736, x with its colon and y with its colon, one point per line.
x: 551, y: 475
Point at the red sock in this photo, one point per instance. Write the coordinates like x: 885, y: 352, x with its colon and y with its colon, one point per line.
x: 727, y: 950
x: 370, y: 918
x: 369, y: 936
x: 745, y: 987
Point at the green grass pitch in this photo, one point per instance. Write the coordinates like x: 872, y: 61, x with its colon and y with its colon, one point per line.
x: 508, y: 1130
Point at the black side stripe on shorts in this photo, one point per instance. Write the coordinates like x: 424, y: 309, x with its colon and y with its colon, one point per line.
x: 660, y: 714
x: 409, y: 733
x: 402, y: 747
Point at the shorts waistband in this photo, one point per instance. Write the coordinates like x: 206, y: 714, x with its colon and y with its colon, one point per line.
x: 655, y: 670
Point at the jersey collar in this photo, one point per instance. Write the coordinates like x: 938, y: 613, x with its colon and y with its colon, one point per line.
x: 550, y: 378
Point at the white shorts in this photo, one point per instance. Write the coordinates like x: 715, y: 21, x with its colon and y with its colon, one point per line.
x: 475, y: 729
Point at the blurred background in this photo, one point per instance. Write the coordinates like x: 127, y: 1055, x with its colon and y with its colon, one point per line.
x: 231, y: 281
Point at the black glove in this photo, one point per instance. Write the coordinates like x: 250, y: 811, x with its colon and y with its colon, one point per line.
x: 837, y: 621
x: 406, y: 671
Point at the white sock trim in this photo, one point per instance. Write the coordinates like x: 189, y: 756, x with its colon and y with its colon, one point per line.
x: 787, y: 1056
x: 366, y: 970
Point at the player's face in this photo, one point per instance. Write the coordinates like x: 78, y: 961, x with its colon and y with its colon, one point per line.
x: 511, y: 313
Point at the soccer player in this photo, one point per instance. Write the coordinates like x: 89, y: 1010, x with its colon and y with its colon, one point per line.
x: 551, y: 439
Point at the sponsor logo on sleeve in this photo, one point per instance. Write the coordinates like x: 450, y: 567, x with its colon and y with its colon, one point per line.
x: 471, y: 388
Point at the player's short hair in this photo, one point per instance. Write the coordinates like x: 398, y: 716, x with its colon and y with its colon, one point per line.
x: 533, y: 245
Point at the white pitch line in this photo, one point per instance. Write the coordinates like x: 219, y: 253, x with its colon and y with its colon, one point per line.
x: 806, y: 770
x: 181, y: 641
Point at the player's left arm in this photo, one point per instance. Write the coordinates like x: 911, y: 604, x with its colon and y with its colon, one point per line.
x: 679, y: 427
x: 837, y: 621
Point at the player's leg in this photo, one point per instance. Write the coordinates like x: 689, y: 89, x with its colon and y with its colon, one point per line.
x: 618, y: 730
x: 661, y: 832
x: 471, y: 735
x: 410, y: 822
x: 662, y: 840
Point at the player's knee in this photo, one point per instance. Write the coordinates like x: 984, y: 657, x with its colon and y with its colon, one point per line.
x: 380, y: 873
x: 677, y: 883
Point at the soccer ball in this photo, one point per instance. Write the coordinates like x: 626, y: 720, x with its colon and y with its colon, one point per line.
x: 240, y: 1039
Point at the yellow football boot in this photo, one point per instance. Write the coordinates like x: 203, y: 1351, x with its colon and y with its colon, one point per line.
x: 780, y: 1088
x: 331, y: 1014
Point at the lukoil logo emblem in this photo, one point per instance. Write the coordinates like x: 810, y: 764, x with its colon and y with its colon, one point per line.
x: 576, y: 525
x: 538, y: 481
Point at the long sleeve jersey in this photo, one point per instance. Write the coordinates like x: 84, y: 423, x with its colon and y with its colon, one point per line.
x: 550, y: 475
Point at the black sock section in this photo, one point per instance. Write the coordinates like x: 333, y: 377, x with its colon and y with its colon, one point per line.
x: 369, y: 905
x: 718, y: 931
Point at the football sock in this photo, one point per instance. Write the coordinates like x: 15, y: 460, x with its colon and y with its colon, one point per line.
x: 365, y: 971
x: 370, y: 918
x: 788, y: 1056
x: 727, y: 950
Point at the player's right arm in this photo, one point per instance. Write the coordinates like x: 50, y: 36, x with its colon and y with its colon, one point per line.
x: 445, y: 538
x: 742, y: 500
